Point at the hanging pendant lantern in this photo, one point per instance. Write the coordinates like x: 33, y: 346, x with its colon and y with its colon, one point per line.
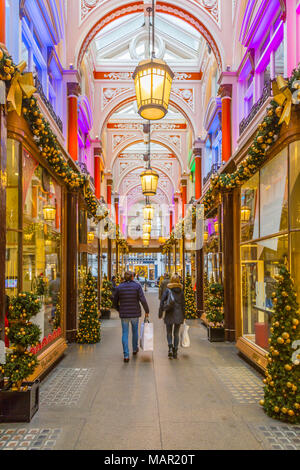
x: 146, y: 243
x: 147, y: 227
x: 146, y: 236
x: 49, y: 213
x: 149, y: 179
x: 153, y: 81
x: 90, y: 237
x: 216, y: 227
x: 148, y: 212
x: 205, y: 236
x: 245, y: 213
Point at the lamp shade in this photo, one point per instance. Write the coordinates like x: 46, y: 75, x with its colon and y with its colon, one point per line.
x: 146, y: 236
x: 149, y: 180
x: 147, y: 227
x: 153, y: 81
x: 90, y: 236
x: 148, y: 212
x: 49, y: 213
x: 216, y: 227
x: 245, y: 213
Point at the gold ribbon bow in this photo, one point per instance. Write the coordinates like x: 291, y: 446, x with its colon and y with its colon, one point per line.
x: 283, y: 96
x: 20, y: 85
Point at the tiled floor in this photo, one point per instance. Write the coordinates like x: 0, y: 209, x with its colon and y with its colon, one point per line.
x: 207, y: 399
x: 281, y: 437
x: 243, y: 384
x: 65, y: 386
x: 28, y: 439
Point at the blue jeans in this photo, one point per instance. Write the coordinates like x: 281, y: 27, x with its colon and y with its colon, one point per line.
x: 125, y: 332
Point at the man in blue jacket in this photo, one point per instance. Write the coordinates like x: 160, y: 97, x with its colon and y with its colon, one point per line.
x: 127, y: 298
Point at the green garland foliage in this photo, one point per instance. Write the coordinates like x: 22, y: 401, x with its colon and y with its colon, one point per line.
x: 89, y: 324
x: 22, y: 334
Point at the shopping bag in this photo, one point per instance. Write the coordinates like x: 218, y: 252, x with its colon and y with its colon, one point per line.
x: 185, y: 338
x: 146, y: 340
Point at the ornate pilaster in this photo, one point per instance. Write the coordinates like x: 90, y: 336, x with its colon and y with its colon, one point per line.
x: 73, y: 90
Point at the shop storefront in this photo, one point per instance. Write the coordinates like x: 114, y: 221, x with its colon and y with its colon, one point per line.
x: 35, y: 234
x: 269, y: 237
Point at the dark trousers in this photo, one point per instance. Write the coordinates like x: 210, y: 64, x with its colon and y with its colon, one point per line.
x: 173, y: 330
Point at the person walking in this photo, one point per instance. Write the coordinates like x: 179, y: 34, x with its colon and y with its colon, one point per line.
x: 163, y: 285
x: 127, y: 299
x: 173, y: 297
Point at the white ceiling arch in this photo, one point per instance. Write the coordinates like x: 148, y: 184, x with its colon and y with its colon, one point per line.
x: 128, y: 96
x: 195, y: 13
x: 136, y: 188
x: 142, y: 167
x: 134, y: 140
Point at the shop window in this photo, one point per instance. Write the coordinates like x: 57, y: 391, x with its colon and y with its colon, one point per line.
x: 42, y: 201
x: 250, y: 209
x: 259, y: 266
x: 295, y: 260
x: 274, y: 196
x: 12, y: 263
x: 279, y: 60
x: 295, y: 184
x: 12, y: 192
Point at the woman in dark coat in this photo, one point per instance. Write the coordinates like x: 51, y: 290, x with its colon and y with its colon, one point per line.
x: 175, y: 316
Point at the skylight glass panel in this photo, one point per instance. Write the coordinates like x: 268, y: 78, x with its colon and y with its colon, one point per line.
x: 119, y: 30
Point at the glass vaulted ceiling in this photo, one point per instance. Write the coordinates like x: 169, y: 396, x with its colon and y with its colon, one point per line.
x: 125, y: 41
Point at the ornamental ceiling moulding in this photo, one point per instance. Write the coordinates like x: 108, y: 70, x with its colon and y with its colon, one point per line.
x: 139, y: 126
x: 127, y: 76
x: 186, y: 94
x: 211, y: 7
x: 109, y: 94
x: 162, y: 7
x: 119, y: 139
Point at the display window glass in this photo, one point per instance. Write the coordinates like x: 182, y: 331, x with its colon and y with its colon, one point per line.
x: 41, y: 270
x: 259, y: 266
x: 250, y: 209
x: 33, y: 238
x: 212, y: 253
x: 274, y: 195
x: 295, y: 184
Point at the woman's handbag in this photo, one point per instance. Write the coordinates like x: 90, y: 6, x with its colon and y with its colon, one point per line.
x: 169, y: 302
x: 185, y: 338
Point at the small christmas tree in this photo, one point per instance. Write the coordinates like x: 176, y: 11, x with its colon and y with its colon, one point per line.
x: 57, y: 314
x: 106, y: 295
x: 190, y: 301
x: 89, y: 324
x: 215, y: 305
x: 41, y: 285
x: 22, y: 334
x: 282, y: 398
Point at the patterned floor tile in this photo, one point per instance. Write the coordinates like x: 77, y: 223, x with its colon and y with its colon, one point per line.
x: 65, y: 387
x: 242, y: 383
x: 281, y: 437
x: 29, y: 439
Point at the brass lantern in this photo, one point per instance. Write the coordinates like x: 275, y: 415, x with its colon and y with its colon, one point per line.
x: 148, y: 212
x: 245, y: 213
x: 147, y: 227
x: 90, y: 237
x: 205, y: 236
x: 146, y: 243
x: 216, y: 226
x: 49, y: 213
x: 149, y: 179
x: 153, y: 81
x: 162, y: 240
x: 146, y: 236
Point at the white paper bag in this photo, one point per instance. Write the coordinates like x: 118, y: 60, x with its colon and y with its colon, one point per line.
x: 185, y: 338
x: 2, y: 352
x: 147, y: 337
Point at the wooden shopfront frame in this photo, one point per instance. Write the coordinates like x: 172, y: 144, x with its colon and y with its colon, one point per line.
x: 18, y: 130
x: 288, y: 136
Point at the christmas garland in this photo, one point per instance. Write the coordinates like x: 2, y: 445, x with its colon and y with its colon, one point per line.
x: 285, y: 94
x: 19, y: 91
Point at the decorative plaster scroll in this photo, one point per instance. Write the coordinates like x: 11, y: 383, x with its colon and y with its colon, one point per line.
x: 174, y: 139
x: 186, y: 94
x: 109, y: 94
x: 118, y: 139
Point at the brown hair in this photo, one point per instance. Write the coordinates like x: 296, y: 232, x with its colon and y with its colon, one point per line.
x: 128, y: 276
